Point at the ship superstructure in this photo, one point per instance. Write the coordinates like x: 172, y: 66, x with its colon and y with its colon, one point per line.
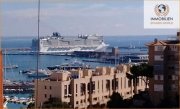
x: 65, y: 44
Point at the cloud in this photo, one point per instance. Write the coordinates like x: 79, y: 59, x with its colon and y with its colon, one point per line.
x: 105, y: 18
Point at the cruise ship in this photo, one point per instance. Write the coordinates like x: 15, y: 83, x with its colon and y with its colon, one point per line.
x: 66, y: 44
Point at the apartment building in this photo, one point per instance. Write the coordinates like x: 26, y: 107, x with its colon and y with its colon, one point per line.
x: 165, y: 57
x: 86, y: 87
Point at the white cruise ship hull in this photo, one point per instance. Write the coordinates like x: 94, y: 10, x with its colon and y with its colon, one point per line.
x: 64, y: 44
x: 48, y: 50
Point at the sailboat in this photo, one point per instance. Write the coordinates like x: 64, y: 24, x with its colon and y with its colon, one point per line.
x: 5, y: 104
x: 7, y: 64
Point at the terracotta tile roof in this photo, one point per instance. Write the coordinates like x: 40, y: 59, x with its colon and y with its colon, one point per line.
x: 156, y: 43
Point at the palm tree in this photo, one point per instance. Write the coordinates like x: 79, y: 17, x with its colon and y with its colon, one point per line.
x: 147, y: 71
x: 140, y: 71
x: 134, y: 76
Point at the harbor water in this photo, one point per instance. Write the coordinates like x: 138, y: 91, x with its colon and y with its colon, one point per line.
x: 27, y: 62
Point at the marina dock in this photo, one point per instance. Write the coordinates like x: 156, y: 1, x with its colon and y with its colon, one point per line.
x: 19, y: 100
x: 14, y: 87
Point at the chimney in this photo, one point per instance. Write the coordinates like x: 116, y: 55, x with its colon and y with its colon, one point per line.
x: 155, y: 40
x: 178, y: 34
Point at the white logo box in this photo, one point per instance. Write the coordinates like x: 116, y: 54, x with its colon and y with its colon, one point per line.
x: 149, y: 13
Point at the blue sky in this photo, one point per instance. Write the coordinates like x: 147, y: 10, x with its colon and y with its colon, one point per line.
x: 72, y: 17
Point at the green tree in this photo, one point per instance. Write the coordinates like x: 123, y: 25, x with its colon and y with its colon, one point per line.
x: 55, y: 103
x: 116, y: 101
x: 135, y: 69
x: 144, y: 98
x: 31, y: 105
x: 147, y: 71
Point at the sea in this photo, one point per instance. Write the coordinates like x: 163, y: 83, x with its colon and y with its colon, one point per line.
x: 27, y: 62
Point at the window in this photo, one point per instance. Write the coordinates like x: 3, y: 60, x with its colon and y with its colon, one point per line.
x: 117, y: 84
x: 65, y: 89
x: 173, y: 86
x: 69, y: 89
x: 158, y: 87
x: 44, y: 87
x: 50, y: 96
x: 161, y: 77
x: 173, y: 77
x: 124, y: 82
x: 121, y: 83
x: 91, y: 87
x: 141, y: 82
x: 169, y: 77
x: 171, y: 67
x: 76, y: 102
x: 114, y: 84
x: 98, y: 85
x: 107, y: 84
x: 158, y: 77
x: 137, y: 81
x: 95, y: 99
x: 102, y: 85
x: 83, y: 88
x: 155, y: 77
x: 76, y: 88
x: 45, y: 95
x: 50, y: 87
x: 158, y: 67
x: 158, y: 57
x: 159, y: 48
x: 129, y: 83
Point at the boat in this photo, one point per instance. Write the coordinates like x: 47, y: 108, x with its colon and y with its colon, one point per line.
x: 5, y: 104
x: 24, y: 71
x: 68, y: 44
x: 66, y: 59
x: 137, y: 58
x: 6, y: 99
x: 41, y: 73
x: 71, y: 65
x: 11, y: 67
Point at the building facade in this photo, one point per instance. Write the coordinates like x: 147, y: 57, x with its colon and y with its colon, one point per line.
x: 165, y: 57
x: 88, y: 87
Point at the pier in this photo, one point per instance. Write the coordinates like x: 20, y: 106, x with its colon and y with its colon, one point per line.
x: 18, y: 87
x: 21, y: 100
x: 30, y: 51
